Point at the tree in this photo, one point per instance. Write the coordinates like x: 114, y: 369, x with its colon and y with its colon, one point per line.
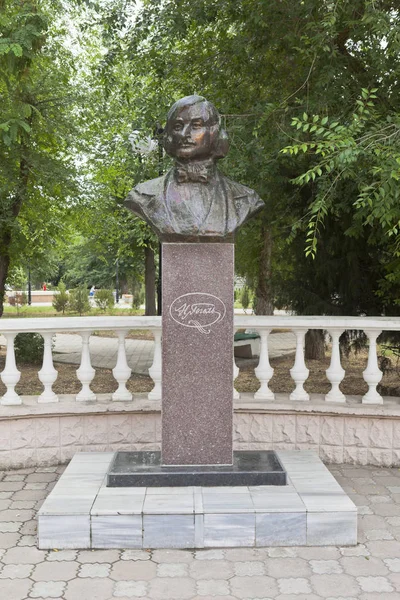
x: 308, y: 64
x: 35, y: 167
x: 79, y: 300
x: 104, y: 299
x: 61, y: 298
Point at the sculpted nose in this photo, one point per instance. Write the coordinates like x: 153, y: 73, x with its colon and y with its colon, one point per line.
x: 186, y: 130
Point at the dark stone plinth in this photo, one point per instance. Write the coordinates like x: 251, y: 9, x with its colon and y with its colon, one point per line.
x: 144, y: 469
x: 197, y: 354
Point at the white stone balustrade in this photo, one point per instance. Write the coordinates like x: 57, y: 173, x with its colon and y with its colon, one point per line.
x: 372, y: 374
x: 10, y: 376
x: 299, y: 371
x: 155, y: 369
x: 122, y: 370
x: 335, y: 326
x: 48, y: 374
x: 335, y: 373
x: 264, y: 371
x: 85, y: 372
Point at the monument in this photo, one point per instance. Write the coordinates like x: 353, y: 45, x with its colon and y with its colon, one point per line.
x: 195, y: 210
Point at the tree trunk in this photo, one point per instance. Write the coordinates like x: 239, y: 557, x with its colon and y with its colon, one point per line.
x: 4, y: 264
x: 315, y: 344
x: 150, y: 282
x: 5, y: 238
x: 264, y: 301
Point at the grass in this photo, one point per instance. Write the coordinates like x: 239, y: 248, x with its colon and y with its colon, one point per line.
x: 10, y: 312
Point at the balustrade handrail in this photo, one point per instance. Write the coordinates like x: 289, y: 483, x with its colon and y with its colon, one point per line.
x: 316, y: 322
x: 61, y: 324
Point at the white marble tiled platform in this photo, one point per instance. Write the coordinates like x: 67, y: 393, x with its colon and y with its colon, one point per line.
x: 81, y: 512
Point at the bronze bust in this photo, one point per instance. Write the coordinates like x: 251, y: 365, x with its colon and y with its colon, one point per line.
x: 194, y: 202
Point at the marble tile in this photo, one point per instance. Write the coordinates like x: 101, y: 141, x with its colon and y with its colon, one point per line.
x: 102, y: 457
x: 199, y: 530
x: 162, y: 491
x: 234, y: 489
x: 327, y: 501
x: 121, y: 501
x: 63, y: 531
x: 87, y: 467
x: 277, y: 500
x: 331, y: 528
x: 67, y: 505
x: 168, y: 531
x: 226, y: 502
x: 168, y: 504
x: 281, y: 529
x: 116, y: 531
x: 198, y: 501
x: 226, y: 530
x: 76, y: 489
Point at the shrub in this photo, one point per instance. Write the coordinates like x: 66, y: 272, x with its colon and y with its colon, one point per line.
x: 18, y: 300
x: 104, y: 299
x: 245, y: 298
x: 138, y: 297
x: 79, y: 300
x: 61, y: 298
x: 29, y: 347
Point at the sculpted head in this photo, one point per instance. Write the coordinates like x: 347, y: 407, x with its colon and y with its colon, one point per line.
x: 193, y: 130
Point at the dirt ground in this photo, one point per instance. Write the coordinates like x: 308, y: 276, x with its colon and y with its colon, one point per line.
x: 104, y: 382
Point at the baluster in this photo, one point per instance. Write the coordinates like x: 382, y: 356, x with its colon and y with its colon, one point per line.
x: 299, y: 371
x: 48, y: 373
x: 85, y: 372
x: 335, y: 373
x: 236, y: 394
x: 372, y: 374
x: 155, y: 369
x: 264, y: 371
x: 121, y: 371
x: 10, y: 376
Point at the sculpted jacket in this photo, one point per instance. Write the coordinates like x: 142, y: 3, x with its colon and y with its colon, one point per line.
x: 193, y: 210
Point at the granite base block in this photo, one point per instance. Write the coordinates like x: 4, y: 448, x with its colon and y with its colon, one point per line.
x: 144, y: 469
x: 200, y: 517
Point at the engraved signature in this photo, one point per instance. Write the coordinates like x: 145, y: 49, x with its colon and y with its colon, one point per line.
x: 198, y: 310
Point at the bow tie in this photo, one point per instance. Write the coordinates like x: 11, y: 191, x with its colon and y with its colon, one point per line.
x: 193, y: 172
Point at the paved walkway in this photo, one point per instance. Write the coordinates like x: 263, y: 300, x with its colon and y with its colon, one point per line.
x: 369, y: 571
x: 103, y: 351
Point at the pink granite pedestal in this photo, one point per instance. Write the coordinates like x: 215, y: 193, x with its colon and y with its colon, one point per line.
x: 197, y: 354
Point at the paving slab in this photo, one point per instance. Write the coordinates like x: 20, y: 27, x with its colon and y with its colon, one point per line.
x: 366, y: 571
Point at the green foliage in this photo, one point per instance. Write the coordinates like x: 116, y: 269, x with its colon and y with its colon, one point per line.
x: 104, y: 299
x: 29, y: 347
x: 79, y: 300
x: 36, y: 134
x: 18, y: 299
x: 138, y: 296
x: 245, y: 298
x: 366, y: 149
x: 61, y: 298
